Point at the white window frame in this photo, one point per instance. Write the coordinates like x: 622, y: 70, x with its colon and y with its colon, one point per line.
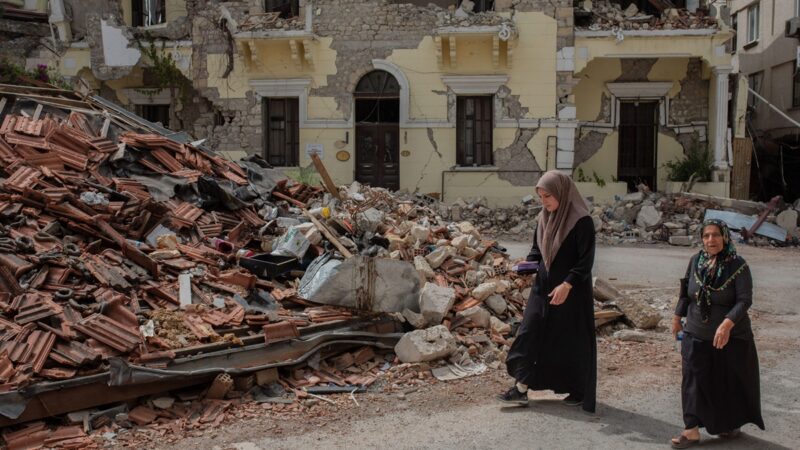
x: 796, y: 8
x: 753, y: 23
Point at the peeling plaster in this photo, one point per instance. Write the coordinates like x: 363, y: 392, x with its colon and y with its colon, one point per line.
x: 116, y: 50
x: 586, y: 147
x: 518, y: 157
x: 635, y: 69
x: 512, y: 108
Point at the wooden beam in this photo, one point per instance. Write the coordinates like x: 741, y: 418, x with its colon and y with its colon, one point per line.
x: 326, y: 178
x: 327, y: 233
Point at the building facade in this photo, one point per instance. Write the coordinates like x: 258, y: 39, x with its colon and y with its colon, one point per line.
x: 767, y: 59
x: 458, y: 99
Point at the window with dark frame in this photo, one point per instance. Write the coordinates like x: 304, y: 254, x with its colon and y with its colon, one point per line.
x: 145, y: 13
x: 753, y: 23
x: 734, y: 42
x: 287, y: 8
x: 154, y: 113
x: 474, y: 127
x: 754, y: 82
x: 481, y: 5
x: 796, y: 86
x: 281, y: 131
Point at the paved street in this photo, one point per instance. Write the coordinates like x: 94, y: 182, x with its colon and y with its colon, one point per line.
x: 638, y: 407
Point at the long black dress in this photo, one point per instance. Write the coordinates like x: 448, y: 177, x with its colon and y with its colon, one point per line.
x: 555, y: 347
x: 720, y: 388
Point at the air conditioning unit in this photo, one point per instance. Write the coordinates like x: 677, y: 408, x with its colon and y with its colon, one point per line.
x: 793, y: 27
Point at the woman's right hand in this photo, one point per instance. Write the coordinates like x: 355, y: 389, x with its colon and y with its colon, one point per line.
x: 676, y: 326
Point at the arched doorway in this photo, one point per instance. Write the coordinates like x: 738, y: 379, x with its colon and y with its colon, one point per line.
x: 377, y: 119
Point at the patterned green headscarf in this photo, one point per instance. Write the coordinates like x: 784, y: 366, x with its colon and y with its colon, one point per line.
x: 709, y: 272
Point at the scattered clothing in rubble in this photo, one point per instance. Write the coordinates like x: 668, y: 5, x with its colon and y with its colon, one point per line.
x: 555, y: 347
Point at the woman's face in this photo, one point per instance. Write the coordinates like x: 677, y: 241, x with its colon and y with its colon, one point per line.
x: 549, y: 202
x: 712, y: 240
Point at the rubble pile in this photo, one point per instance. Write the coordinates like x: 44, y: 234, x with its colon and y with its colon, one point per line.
x: 271, y: 21
x: 609, y: 15
x: 639, y: 217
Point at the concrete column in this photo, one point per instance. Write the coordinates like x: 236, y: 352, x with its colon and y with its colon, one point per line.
x: 565, y: 139
x: 719, y: 122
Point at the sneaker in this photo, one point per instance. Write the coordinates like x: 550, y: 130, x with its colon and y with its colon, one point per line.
x: 513, y: 397
x: 573, y: 400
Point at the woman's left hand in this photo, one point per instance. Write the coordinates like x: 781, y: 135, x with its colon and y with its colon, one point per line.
x: 723, y: 334
x: 560, y: 293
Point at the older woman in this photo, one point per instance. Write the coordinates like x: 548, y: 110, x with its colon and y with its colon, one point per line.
x: 720, y: 387
x: 555, y: 347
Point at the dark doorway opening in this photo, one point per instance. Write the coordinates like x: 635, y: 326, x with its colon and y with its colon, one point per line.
x: 377, y: 116
x: 638, y: 130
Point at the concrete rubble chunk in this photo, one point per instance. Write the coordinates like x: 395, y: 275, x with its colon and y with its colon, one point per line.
x: 788, y: 221
x: 648, y: 216
x: 163, y: 402
x: 422, y: 266
x: 484, y: 290
x: 635, y: 197
x: 499, y: 326
x: 416, y: 320
x: 420, y: 233
x: 497, y: 304
x: 437, y: 257
x: 369, y: 220
x: 605, y: 291
x: 638, y: 313
x: 425, y: 345
x: 435, y: 302
x: 478, y: 315
x: 630, y: 336
x: 685, y: 241
x: 461, y: 242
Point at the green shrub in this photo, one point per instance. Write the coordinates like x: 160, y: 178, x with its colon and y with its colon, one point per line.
x: 697, y: 162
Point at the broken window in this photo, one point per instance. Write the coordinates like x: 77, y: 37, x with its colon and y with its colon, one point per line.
x: 287, y: 8
x: 480, y: 5
x: 753, y: 23
x: 281, y: 131
x: 754, y: 82
x: 474, y: 126
x: 796, y: 85
x: 154, y: 113
x: 148, y: 12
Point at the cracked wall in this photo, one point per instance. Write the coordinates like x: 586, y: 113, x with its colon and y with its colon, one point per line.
x: 516, y: 163
x: 597, y: 149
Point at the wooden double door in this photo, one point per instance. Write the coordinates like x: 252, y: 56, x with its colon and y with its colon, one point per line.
x: 638, y: 131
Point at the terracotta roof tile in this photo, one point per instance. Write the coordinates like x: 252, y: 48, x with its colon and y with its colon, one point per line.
x: 109, y: 332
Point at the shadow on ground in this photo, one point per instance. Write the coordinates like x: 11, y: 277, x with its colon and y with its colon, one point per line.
x: 637, y: 428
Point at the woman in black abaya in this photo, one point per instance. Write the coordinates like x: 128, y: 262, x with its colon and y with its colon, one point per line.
x: 555, y: 346
x: 720, y: 387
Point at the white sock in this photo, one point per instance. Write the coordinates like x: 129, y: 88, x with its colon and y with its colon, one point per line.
x: 523, y: 388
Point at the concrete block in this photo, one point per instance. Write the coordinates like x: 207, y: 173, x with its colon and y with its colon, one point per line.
x: 435, y: 302
x: 425, y: 345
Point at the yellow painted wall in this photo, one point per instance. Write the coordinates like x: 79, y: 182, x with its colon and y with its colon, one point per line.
x: 588, y: 95
x: 588, y: 92
x: 653, y: 46
x: 274, y: 62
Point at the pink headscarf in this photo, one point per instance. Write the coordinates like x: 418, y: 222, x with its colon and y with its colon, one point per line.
x: 555, y: 226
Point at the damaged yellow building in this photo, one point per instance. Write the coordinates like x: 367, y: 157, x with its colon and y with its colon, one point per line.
x: 457, y: 99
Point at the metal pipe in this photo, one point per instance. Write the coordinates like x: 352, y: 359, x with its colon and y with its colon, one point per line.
x: 783, y: 114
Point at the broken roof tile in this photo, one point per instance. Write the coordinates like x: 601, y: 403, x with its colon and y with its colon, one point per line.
x: 109, y: 332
